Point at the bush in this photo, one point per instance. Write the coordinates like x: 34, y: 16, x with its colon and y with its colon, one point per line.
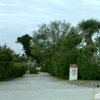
x: 33, y: 70
x: 88, y: 67
x: 88, y: 70
x: 5, y: 61
x: 98, y: 71
x: 8, y: 67
x: 44, y: 67
x: 17, y: 70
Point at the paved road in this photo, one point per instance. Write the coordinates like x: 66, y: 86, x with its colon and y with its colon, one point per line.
x: 43, y: 86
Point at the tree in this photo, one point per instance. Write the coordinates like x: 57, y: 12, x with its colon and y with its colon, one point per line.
x: 25, y: 41
x: 88, y: 28
x: 5, y: 56
x: 61, y: 54
x: 19, y: 58
x: 46, y: 36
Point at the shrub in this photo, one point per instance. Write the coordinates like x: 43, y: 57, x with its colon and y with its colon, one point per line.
x: 5, y: 60
x: 33, y: 70
x: 17, y: 70
x: 88, y: 70
x: 8, y: 67
x: 44, y: 67
x: 98, y: 71
x: 88, y: 67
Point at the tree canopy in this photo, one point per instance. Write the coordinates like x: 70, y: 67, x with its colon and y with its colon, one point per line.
x: 25, y: 41
x: 88, y: 28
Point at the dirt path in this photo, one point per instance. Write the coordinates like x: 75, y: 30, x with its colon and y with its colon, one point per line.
x: 43, y: 86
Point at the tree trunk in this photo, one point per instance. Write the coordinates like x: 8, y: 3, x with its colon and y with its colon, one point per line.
x: 89, y: 40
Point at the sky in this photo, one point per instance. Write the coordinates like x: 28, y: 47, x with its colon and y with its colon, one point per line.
x: 20, y: 17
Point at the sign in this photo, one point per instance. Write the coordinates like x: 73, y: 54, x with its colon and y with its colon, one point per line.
x: 73, y: 72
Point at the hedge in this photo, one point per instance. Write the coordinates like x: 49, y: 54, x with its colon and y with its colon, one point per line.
x: 13, y: 71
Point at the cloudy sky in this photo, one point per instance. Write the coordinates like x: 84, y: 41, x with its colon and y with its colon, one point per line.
x: 18, y: 17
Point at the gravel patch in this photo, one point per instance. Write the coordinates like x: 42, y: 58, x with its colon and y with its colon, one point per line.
x: 86, y: 83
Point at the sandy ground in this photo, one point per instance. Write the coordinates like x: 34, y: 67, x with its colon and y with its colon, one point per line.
x: 43, y: 86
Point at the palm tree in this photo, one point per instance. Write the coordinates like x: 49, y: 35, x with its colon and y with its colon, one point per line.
x: 88, y: 28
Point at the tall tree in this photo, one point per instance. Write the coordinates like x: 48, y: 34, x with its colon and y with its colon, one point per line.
x: 47, y: 35
x: 88, y: 28
x: 25, y: 41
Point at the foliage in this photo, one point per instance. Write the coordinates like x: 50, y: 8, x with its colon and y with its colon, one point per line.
x: 17, y: 70
x: 57, y: 45
x: 97, y: 43
x: 5, y: 55
x: 33, y: 70
x: 25, y: 41
x: 88, y: 67
x: 8, y: 67
x: 47, y: 35
x: 18, y: 58
x: 67, y: 51
x: 62, y: 54
x: 88, y: 28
